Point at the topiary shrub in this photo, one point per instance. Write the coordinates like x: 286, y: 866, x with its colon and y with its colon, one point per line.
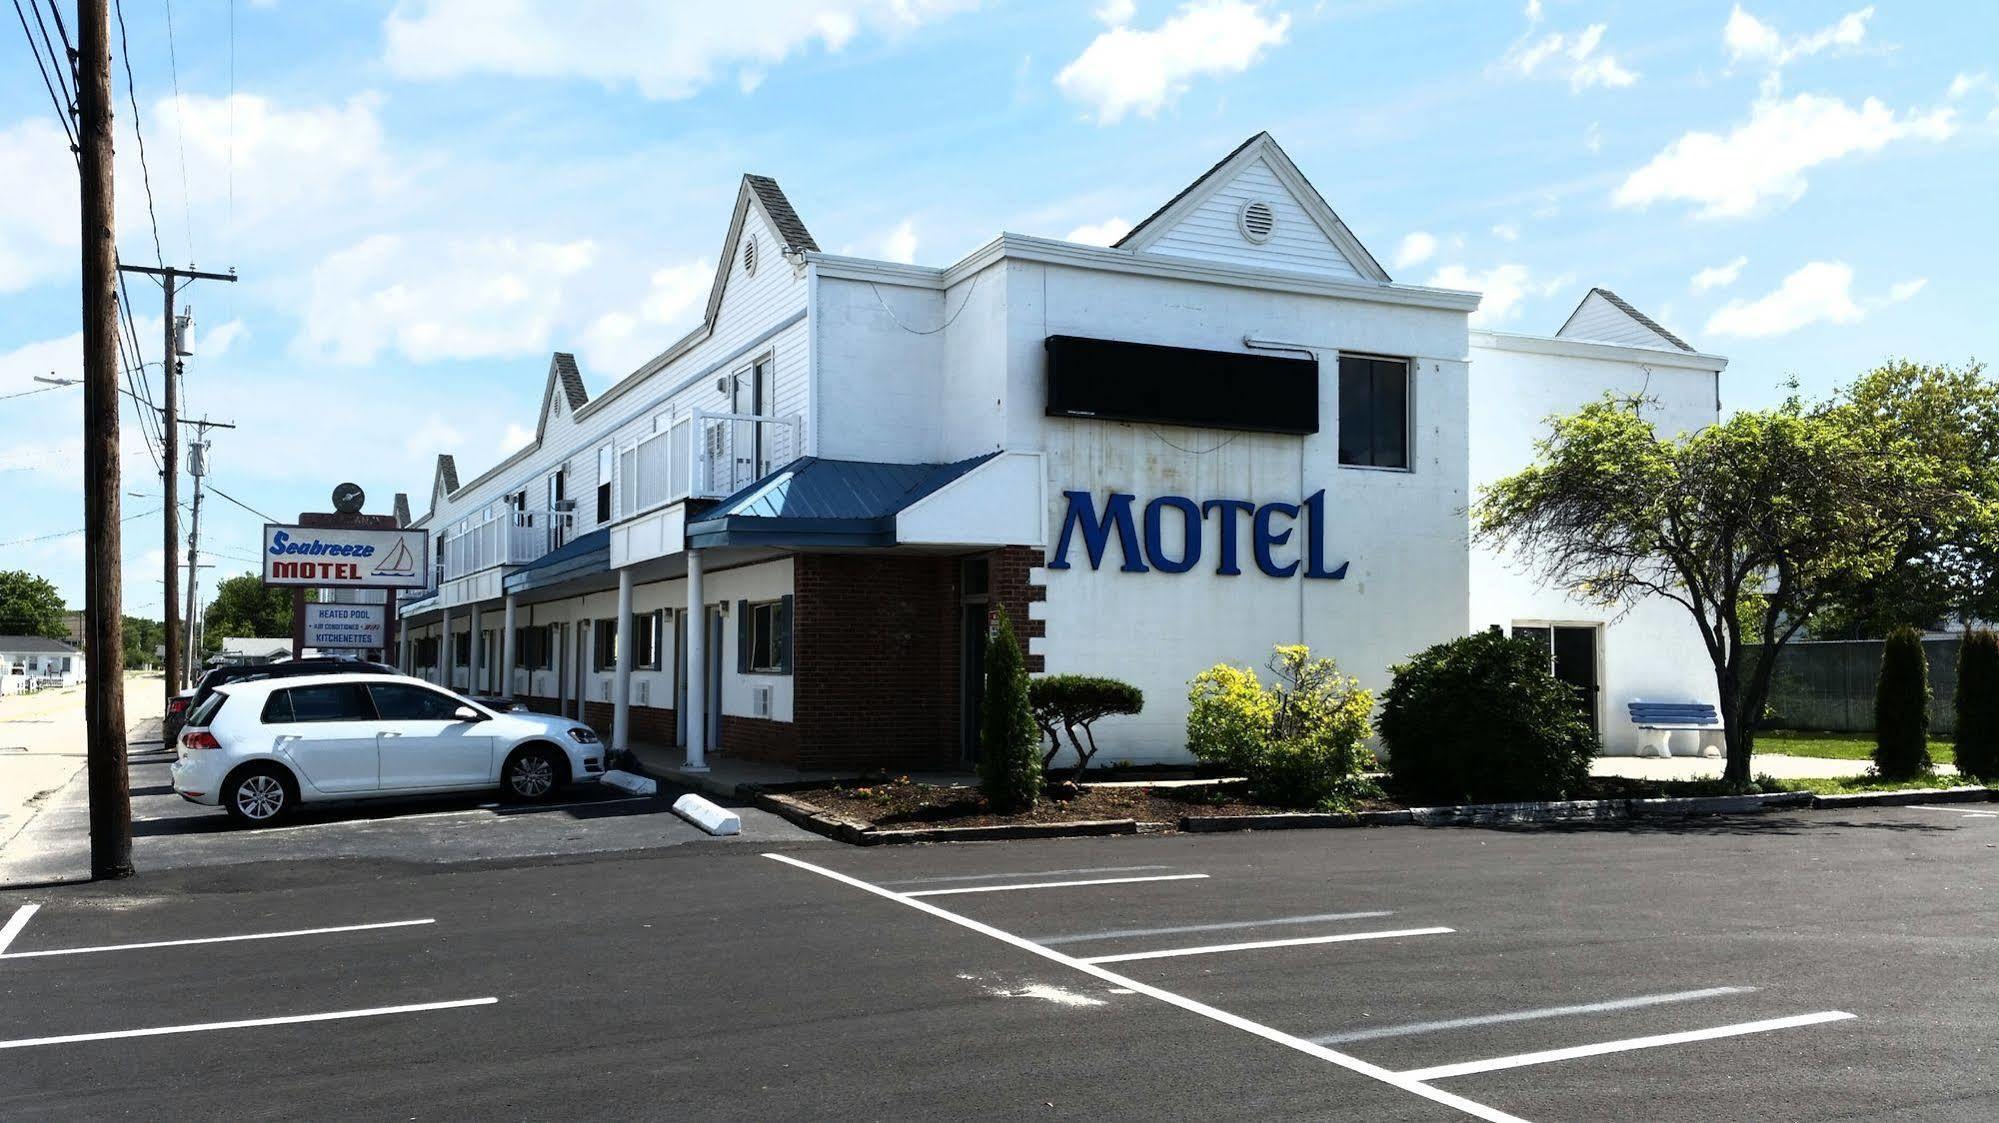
x: 1902, y: 707
x: 1009, y: 767
x: 1481, y: 719
x: 1300, y: 742
x: 1978, y: 706
x: 1063, y: 704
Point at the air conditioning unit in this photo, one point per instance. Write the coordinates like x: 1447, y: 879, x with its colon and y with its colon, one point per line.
x: 760, y: 701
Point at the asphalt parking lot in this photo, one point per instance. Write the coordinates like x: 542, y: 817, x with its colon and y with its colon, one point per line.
x: 1804, y: 966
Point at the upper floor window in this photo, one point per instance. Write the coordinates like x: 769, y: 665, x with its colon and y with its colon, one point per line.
x: 1374, y: 412
x: 604, y: 462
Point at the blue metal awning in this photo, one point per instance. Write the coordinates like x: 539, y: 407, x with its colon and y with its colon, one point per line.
x: 585, y: 554
x: 817, y: 502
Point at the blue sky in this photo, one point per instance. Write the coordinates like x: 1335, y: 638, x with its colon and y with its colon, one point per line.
x: 425, y: 198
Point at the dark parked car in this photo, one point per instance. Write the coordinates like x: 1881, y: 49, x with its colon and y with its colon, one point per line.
x: 184, y: 703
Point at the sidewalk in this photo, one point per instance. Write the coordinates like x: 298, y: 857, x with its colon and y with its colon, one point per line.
x: 726, y: 776
x: 1762, y: 764
x: 42, y: 744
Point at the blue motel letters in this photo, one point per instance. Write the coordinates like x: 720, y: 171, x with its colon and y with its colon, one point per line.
x: 1176, y: 532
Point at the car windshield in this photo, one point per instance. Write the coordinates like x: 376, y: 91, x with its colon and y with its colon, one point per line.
x: 206, y: 711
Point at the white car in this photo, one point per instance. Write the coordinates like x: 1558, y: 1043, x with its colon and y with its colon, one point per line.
x: 260, y: 748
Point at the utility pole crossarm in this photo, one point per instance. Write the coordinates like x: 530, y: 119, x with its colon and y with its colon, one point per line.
x: 173, y: 271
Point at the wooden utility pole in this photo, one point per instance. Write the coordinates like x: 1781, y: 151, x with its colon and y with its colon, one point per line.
x: 104, y: 662
x: 197, y: 467
x: 170, y: 369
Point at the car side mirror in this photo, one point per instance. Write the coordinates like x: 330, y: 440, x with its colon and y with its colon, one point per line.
x: 467, y: 713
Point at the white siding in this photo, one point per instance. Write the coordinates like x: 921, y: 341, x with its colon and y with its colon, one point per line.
x: 1600, y: 321
x: 1296, y: 243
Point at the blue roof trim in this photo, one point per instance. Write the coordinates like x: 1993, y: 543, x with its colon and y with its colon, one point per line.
x: 817, y: 502
x: 586, y: 553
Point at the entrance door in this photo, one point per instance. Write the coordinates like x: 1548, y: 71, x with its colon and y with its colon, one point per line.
x: 1572, y: 657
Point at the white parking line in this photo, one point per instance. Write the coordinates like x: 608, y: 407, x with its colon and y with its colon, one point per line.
x: 1302, y: 941
x: 213, y: 939
x: 1411, y: 1029
x: 15, y: 923
x: 1006, y: 876
x: 1956, y: 811
x: 1054, y: 884
x: 248, y: 1023
x: 1212, y: 1013
x: 1445, y: 1072
x: 1222, y: 926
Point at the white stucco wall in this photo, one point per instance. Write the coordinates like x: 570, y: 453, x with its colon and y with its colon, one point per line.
x: 1650, y: 650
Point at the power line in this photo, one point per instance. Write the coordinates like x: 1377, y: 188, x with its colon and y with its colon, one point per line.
x: 245, y: 506
x: 132, y: 94
x: 180, y: 141
x: 36, y: 390
x: 62, y: 111
x: 78, y: 530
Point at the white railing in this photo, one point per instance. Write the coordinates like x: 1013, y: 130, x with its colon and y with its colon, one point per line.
x: 703, y: 455
x: 504, y: 537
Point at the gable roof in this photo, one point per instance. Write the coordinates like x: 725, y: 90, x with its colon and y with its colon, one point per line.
x: 445, y: 481
x: 37, y: 645
x: 1263, y: 147
x: 813, y: 501
x: 402, y: 508
x: 563, y: 376
x: 782, y: 218
x: 1598, y: 323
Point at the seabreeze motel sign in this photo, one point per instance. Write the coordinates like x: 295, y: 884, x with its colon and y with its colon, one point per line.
x: 1177, y: 531
x: 358, y: 559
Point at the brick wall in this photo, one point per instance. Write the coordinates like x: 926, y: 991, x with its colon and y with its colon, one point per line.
x: 1008, y: 586
x: 875, y: 661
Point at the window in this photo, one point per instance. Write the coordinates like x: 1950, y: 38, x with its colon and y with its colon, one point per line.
x: 763, y: 637
x: 204, y: 714
x: 544, y: 647
x: 461, y: 646
x: 604, y: 484
x: 395, y: 701
x: 645, y: 641
x: 277, y: 708
x: 342, y: 701
x: 1374, y: 412
x: 604, y: 638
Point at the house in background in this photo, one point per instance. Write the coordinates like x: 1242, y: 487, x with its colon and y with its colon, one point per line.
x: 237, y: 650
x: 38, y: 662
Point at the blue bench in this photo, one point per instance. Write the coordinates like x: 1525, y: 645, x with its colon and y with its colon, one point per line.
x: 1658, y: 721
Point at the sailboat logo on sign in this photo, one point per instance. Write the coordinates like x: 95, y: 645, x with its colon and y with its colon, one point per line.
x: 399, y: 563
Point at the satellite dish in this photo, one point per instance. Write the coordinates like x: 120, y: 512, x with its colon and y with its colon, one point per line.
x: 347, y: 499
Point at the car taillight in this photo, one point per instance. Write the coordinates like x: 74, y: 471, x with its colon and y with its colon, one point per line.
x: 199, y: 739
x: 177, y: 705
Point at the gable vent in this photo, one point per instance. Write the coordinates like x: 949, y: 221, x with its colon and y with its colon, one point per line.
x: 750, y: 255
x: 1257, y: 220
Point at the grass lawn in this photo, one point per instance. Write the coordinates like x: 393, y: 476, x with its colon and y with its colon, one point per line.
x: 1837, y: 746
x: 1846, y: 784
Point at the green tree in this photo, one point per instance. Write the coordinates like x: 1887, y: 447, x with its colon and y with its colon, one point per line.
x: 1009, y: 766
x: 1066, y: 703
x: 245, y: 606
x: 1793, y: 503
x: 30, y: 606
x: 1977, y: 704
x: 1902, y: 707
x: 142, y: 637
x: 1941, y: 425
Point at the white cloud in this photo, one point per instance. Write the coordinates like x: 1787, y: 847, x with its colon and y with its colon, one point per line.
x: 1128, y: 70
x: 215, y: 342
x: 1504, y: 288
x: 1749, y: 39
x: 1533, y: 11
x: 1765, y: 158
x: 517, y: 437
x: 900, y: 244
x: 1821, y: 292
x: 667, y: 51
x: 1575, y: 58
x: 38, y: 226
x: 1416, y: 248
x: 1116, y: 13
x: 1507, y: 231
x: 1964, y: 84
x: 429, y: 298
x: 1103, y: 233
x: 1593, y: 138
x: 1718, y: 276
x: 1906, y: 290
x: 620, y: 340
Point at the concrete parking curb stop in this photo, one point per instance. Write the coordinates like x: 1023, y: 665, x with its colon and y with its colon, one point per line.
x: 1904, y: 797
x: 707, y: 816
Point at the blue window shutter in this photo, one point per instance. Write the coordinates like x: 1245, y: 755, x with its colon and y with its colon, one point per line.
x: 743, y: 637
x: 783, y: 637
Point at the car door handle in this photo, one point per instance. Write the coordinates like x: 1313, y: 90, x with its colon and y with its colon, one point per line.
x: 388, y: 734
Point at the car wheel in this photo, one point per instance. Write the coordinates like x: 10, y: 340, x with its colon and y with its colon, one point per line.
x: 530, y: 774
x: 256, y: 796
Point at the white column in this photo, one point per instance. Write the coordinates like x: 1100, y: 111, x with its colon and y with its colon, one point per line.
x: 507, y: 653
x: 446, y: 650
x: 697, y: 669
x: 621, y: 689
x: 472, y: 654
x: 405, y: 647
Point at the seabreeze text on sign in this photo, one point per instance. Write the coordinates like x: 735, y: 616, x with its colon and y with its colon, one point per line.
x: 325, y: 556
x: 1177, y: 532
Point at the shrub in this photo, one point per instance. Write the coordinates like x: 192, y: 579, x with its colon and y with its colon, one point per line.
x: 1063, y: 704
x: 1482, y: 719
x: 1902, y: 707
x: 1300, y: 741
x: 1978, y: 706
x: 1009, y: 767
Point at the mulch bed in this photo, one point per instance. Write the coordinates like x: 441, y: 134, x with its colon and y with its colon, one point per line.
x: 895, y: 804
x: 891, y: 805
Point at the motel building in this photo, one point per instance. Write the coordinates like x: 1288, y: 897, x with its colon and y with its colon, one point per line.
x: 781, y: 539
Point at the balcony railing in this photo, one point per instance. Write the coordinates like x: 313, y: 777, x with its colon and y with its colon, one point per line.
x: 506, y: 537
x: 705, y: 456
